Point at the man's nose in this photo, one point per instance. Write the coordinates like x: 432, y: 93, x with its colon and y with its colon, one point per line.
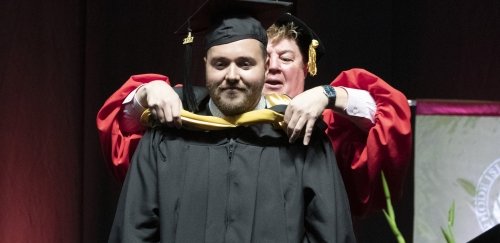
x: 232, y: 74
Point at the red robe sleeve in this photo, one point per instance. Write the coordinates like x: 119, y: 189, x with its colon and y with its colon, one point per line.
x: 118, y: 145
x: 386, y: 147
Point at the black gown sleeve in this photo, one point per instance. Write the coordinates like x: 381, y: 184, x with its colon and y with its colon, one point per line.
x: 136, y: 218
x: 327, y: 215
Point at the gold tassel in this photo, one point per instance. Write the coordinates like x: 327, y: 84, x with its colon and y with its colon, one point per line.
x: 189, y: 39
x: 311, y: 64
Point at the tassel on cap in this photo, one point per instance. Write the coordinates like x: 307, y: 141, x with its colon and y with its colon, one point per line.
x: 309, y: 43
x: 189, y: 99
x: 189, y: 39
x: 311, y: 64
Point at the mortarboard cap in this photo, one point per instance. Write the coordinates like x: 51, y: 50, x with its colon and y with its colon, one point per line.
x: 226, y: 21
x: 308, y: 41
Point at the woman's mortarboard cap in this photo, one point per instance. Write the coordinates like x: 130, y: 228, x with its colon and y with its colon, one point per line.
x: 308, y: 41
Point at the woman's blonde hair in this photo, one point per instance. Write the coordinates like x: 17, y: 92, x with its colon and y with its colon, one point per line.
x: 277, y: 33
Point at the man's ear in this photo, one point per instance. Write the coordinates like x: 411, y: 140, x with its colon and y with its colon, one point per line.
x: 205, y: 59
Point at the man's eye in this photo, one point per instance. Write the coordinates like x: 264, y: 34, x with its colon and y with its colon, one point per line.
x: 219, y: 65
x: 286, y: 59
x: 245, y: 64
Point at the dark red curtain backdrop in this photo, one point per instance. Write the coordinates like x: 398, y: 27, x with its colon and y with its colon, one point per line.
x: 59, y: 60
x: 42, y: 100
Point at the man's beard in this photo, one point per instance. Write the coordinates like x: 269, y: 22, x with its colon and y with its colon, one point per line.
x: 232, y: 108
x: 244, y: 100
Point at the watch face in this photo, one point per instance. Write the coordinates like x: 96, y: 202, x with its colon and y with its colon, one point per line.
x: 329, y: 91
x: 331, y: 94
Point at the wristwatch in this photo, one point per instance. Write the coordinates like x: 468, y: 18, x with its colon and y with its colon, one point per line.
x: 330, y: 93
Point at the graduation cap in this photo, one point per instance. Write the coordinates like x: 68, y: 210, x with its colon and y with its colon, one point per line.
x: 226, y: 21
x: 308, y: 41
x: 233, y: 20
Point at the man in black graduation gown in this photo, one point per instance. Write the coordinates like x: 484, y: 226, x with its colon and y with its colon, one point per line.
x: 242, y: 184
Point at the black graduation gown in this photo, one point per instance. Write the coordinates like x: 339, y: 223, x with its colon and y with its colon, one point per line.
x: 246, y: 184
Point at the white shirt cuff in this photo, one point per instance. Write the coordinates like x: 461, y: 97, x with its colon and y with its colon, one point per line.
x: 361, y: 107
x: 132, y: 111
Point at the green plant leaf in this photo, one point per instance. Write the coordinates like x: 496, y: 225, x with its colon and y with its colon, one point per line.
x: 467, y: 186
x: 446, y: 235
x: 451, y: 214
